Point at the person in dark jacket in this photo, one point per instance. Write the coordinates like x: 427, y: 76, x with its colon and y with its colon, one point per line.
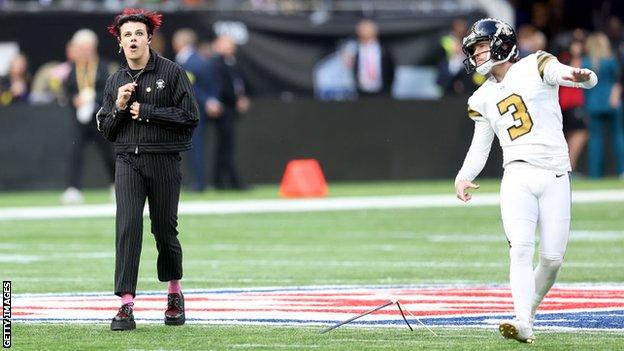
x: 227, y: 100
x: 149, y: 112
x: 184, y: 44
x: 373, y: 64
x: 84, y: 87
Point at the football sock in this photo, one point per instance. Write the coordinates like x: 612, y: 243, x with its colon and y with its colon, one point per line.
x: 174, y: 287
x: 521, y: 279
x: 545, y: 276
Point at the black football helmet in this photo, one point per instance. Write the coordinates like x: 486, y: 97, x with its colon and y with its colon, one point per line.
x: 502, y: 39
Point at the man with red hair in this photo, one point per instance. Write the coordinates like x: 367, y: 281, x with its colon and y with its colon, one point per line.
x: 149, y: 112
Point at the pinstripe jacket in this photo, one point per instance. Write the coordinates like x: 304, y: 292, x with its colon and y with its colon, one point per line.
x: 168, y: 112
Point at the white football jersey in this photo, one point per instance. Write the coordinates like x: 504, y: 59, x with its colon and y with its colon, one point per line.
x: 523, y: 111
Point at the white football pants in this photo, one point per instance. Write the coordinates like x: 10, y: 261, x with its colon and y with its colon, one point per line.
x: 532, y: 197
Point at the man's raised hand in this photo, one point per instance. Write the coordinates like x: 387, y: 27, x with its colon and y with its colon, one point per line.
x: 123, y: 95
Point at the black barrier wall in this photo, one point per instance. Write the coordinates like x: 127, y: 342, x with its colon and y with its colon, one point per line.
x: 364, y: 140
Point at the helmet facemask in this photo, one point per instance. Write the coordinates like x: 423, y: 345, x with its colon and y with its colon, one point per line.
x: 502, y: 44
x: 470, y: 63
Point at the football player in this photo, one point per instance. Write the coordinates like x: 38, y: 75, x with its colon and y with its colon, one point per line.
x: 519, y: 104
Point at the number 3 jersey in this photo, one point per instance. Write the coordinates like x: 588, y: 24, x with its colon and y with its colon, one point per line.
x: 523, y: 111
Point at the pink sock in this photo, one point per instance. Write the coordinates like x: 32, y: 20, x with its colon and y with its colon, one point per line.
x: 174, y: 287
x: 127, y: 298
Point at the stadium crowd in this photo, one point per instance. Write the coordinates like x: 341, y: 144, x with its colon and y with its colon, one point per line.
x: 348, y: 75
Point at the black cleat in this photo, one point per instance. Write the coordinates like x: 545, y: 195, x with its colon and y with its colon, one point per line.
x: 124, y: 320
x: 174, y: 315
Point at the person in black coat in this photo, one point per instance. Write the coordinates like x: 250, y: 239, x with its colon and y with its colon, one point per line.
x: 149, y: 112
x: 84, y: 87
x: 184, y: 44
x: 373, y: 64
x: 227, y: 99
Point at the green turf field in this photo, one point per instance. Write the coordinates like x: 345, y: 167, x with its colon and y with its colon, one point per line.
x: 373, y: 247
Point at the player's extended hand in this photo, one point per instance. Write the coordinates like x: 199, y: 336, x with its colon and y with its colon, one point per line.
x: 134, y: 110
x: 461, y: 187
x: 123, y: 95
x: 578, y: 75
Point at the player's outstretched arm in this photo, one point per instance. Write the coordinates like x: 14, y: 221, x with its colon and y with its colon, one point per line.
x: 580, y: 75
x: 556, y: 73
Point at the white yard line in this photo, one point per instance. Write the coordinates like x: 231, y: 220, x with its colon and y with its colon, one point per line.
x: 299, y: 205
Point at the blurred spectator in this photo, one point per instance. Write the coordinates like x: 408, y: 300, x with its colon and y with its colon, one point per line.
x: 603, y: 104
x: 269, y: 6
x: 43, y: 89
x: 292, y: 6
x: 61, y: 72
x: 227, y: 101
x: 525, y: 35
x: 615, y: 32
x: 14, y: 87
x: 572, y: 106
x: 333, y: 79
x: 530, y: 40
x: 196, y: 66
x: 372, y: 64
x: 205, y: 49
x: 84, y: 88
x: 159, y: 43
x: 452, y: 77
x: 541, y: 17
x: 539, y: 41
x: 47, y: 84
x: 579, y: 34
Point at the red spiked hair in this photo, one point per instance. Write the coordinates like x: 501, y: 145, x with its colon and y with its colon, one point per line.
x: 152, y: 20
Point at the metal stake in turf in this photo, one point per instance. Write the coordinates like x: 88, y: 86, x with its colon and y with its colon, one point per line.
x: 416, y: 318
x: 391, y: 302
x: 403, y: 315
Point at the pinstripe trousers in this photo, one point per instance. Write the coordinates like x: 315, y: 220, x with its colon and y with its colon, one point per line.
x: 155, y: 177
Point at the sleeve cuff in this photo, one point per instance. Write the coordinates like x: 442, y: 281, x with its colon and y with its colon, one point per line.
x: 117, y: 112
x: 145, y: 112
x: 591, y: 82
x: 460, y: 177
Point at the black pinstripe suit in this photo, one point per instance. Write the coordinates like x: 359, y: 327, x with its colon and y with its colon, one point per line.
x: 148, y: 163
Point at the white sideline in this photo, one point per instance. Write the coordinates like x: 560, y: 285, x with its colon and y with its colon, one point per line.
x: 299, y: 205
